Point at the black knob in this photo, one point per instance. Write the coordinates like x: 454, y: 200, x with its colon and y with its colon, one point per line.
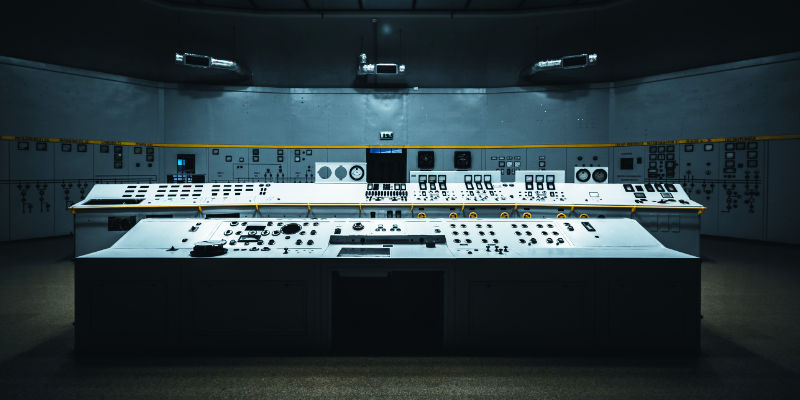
x: 290, y: 229
x: 209, y: 248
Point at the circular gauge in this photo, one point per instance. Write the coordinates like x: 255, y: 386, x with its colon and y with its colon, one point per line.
x: 599, y: 175
x: 340, y: 172
x: 324, y: 172
x: 356, y: 172
x: 583, y: 175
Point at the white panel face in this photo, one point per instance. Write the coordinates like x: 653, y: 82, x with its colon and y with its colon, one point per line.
x: 302, y: 195
x: 539, y: 179
x: 583, y: 175
x: 340, y: 172
x: 437, y: 177
x: 390, y: 238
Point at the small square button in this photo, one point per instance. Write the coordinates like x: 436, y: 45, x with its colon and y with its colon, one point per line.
x: 215, y: 152
x: 66, y: 147
x: 137, y: 150
x: 280, y: 158
x: 151, y: 150
x: 308, y: 152
x: 82, y: 148
x: 296, y: 158
x: 228, y: 158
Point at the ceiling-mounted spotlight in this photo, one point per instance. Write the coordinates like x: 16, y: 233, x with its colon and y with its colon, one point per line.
x: 378, y: 69
x: 567, y: 62
x: 207, y: 62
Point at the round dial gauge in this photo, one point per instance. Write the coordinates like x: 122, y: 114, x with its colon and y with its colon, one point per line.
x: 599, y: 175
x: 582, y: 175
x: 356, y: 172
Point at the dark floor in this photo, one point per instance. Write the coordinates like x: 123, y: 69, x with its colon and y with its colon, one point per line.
x: 750, y: 348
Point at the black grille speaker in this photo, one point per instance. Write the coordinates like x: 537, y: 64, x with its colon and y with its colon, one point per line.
x: 425, y: 160
x: 462, y: 160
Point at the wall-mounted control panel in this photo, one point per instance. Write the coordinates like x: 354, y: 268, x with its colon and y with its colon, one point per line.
x: 727, y: 177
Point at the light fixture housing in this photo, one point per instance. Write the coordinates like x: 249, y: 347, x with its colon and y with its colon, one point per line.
x: 567, y: 62
x: 207, y: 62
x: 380, y: 69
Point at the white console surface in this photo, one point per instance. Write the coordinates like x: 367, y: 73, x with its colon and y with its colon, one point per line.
x: 390, y: 238
x: 450, y: 193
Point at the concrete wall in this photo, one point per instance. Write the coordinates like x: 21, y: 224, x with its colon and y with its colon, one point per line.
x: 417, y: 117
x: 749, y: 98
x: 44, y: 100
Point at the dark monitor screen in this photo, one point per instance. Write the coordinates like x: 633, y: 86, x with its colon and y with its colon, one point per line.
x: 626, y: 163
x: 386, y: 165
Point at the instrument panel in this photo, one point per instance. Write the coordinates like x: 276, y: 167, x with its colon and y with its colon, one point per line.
x: 388, y: 238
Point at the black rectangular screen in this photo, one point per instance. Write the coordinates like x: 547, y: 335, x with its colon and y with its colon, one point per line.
x: 626, y: 163
x: 386, y: 165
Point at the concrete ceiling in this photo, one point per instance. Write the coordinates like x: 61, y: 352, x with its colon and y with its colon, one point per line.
x: 444, y: 43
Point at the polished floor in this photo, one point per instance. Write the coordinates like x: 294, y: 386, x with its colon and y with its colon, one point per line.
x: 750, y: 348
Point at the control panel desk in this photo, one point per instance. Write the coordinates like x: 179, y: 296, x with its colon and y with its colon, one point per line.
x: 664, y: 210
x: 432, y: 286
